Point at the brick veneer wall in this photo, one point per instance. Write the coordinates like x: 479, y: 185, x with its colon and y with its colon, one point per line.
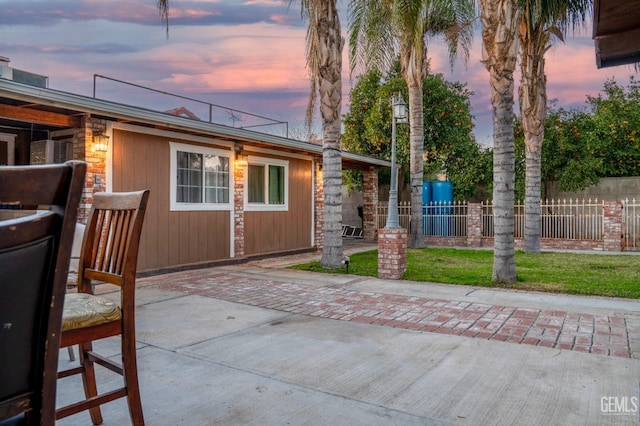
x: 612, y: 226
x: 96, y: 162
x: 370, y: 203
x: 238, y: 205
x: 318, y: 207
x: 474, y: 225
x: 392, y: 253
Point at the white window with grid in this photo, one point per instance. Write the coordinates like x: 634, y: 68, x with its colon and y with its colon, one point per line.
x: 200, y: 178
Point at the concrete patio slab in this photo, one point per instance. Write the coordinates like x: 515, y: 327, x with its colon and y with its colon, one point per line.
x: 446, y: 377
x: 180, y: 390
x: 254, y: 344
x: 186, y: 320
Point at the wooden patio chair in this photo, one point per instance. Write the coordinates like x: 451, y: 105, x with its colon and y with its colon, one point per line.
x: 35, y: 249
x: 109, y: 254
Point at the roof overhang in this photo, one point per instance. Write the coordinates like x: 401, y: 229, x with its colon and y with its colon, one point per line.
x: 616, y: 31
x: 57, y: 109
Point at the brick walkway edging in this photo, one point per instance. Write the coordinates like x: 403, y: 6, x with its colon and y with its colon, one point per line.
x: 596, y: 334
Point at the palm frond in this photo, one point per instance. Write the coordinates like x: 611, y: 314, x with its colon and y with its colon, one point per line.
x: 163, y: 9
x: 372, y: 41
x: 309, y: 12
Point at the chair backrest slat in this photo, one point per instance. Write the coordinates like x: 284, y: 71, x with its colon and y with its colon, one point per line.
x: 120, y: 241
x: 107, y: 234
x: 92, y: 237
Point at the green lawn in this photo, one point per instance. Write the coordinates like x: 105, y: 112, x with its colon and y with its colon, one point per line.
x: 591, y: 274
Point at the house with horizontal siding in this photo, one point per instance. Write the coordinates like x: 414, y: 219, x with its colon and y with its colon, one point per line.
x: 218, y: 193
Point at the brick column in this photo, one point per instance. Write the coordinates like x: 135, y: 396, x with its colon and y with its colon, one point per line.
x: 612, y: 226
x: 392, y: 253
x: 239, y: 168
x: 474, y: 225
x: 318, y: 206
x: 370, y: 203
x: 83, y: 149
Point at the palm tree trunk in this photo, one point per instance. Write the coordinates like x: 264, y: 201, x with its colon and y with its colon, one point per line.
x: 329, y: 84
x: 533, y: 110
x: 500, y: 49
x: 416, y: 140
x: 532, y: 201
x: 504, y: 268
x: 332, y: 251
x: 414, y: 69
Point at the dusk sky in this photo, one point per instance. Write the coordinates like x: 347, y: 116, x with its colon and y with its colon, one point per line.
x: 247, y: 55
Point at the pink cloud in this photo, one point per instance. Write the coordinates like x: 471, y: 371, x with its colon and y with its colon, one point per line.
x: 259, y: 57
x: 265, y: 2
x: 282, y: 19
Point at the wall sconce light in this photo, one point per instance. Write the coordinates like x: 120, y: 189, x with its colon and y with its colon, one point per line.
x: 241, y: 157
x: 100, y: 142
x: 241, y: 160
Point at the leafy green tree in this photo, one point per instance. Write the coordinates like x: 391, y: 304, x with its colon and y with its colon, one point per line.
x: 367, y: 125
x: 449, y: 145
x: 600, y: 139
x: 615, y: 135
x: 565, y: 156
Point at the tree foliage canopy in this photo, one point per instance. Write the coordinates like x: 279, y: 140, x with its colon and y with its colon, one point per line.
x: 449, y: 145
x: 601, y: 139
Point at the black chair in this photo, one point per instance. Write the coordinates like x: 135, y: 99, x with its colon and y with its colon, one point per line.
x: 35, y: 249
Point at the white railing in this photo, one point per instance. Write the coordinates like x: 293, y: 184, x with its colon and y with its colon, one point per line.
x: 445, y: 219
x: 404, y: 214
x: 559, y: 219
x: 631, y: 224
x: 574, y: 220
x: 438, y: 219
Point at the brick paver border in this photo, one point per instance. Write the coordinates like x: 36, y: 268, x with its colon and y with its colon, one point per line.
x: 597, y: 334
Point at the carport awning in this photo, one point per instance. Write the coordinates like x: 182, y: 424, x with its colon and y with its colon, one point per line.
x: 616, y: 31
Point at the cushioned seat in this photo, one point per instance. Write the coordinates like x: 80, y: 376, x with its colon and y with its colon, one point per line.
x: 83, y: 310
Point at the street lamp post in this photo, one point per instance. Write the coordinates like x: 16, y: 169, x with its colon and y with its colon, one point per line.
x: 399, y: 110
